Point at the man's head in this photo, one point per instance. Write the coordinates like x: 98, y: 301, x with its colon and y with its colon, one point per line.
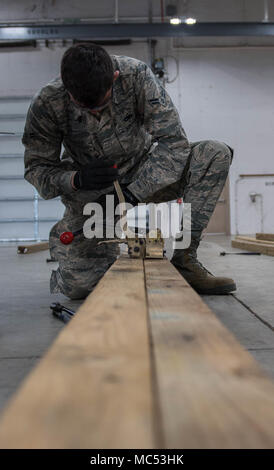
x: 87, y: 74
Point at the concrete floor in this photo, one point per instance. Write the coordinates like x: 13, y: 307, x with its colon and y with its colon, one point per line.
x: 27, y: 327
x: 249, y: 312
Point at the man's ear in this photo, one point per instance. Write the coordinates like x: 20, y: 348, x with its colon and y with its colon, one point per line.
x: 116, y: 75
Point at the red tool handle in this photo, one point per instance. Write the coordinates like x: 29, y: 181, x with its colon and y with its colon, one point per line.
x: 66, y: 238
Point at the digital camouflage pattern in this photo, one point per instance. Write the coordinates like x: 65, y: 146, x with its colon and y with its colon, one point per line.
x: 202, y: 181
x: 82, y: 263
x: 142, y: 132
x: 141, y: 112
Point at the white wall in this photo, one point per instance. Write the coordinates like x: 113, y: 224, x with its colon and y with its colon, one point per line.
x: 203, y: 10
x: 228, y: 95
x: 25, y: 72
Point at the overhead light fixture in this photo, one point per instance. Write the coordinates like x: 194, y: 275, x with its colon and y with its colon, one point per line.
x: 175, y: 20
x: 178, y: 20
x: 190, y: 20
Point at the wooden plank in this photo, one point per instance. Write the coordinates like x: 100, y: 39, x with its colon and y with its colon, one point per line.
x: 254, y: 240
x: 211, y: 392
x: 93, y: 387
x: 26, y: 249
x: 265, y: 236
x: 257, y: 175
x: 264, y: 248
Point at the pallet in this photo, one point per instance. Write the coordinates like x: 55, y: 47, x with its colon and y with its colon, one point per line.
x: 26, y: 249
x: 254, y: 240
x: 144, y: 364
x: 245, y: 243
x: 265, y: 236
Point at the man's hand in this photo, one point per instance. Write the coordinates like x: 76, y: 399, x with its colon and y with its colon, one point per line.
x: 97, y: 175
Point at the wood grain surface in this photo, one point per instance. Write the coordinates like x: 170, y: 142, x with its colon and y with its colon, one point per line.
x: 27, y: 249
x: 212, y: 393
x: 254, y: 240
x: 264, y: 248
x: 144, y: 364
x: 265, y: 236
x: 93, y: 387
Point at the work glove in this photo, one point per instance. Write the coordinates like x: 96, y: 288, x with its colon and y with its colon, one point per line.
x: 96, y: 175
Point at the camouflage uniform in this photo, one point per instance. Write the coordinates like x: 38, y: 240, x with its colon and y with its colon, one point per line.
x: 141, y: 113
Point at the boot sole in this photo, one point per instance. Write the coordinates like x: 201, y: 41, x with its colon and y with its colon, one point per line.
x: 217, y: 290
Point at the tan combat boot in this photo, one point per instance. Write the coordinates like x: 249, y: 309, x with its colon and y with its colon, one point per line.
x: 203, y: 281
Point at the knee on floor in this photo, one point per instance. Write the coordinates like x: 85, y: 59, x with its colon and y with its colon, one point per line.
x: 76, y: 293
x: 72, y: 288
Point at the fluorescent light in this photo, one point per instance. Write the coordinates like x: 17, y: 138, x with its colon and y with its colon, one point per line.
x: 178, y: 20
x: 190, y: 20
x: 175, y: 20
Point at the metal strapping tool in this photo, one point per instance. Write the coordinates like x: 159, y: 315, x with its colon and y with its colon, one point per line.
x: 150, y: 246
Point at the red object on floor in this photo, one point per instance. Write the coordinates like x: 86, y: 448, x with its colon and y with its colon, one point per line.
x: 66, y: 237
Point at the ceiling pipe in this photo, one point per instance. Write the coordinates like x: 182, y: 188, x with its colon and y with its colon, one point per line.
x: 162, y: 11
x: 266, y: 17
x: 150, y: 12
x: 105, y: 42
x: 149, y: 40
x: 116, y: 13
x: 10, y: 44
x: 106, y: 20
x: 133, y: 30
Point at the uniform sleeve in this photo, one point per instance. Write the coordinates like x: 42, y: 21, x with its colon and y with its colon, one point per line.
x: 42, y: 140
x: 165, y: 164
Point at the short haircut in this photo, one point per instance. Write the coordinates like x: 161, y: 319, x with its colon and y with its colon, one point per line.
x: 87, y: 73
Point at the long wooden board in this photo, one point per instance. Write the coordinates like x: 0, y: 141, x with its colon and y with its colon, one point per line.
x: 144, y: 364
x: 264, y: 248
x: 211, y: 392
x: 93, y: 387
x: 254, y: 240
x: 265, y: 236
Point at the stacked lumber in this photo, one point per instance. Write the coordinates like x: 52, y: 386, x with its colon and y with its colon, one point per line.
x: 265, y: 236
x: 144, y: 364
x: 263, y: 243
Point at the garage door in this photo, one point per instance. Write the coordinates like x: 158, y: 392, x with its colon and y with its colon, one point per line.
x: 24, y: 215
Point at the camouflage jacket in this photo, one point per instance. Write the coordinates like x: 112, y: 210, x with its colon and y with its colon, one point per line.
x: 140, y: 130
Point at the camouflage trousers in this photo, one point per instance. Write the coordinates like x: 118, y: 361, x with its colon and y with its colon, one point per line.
x: 84, y: 261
